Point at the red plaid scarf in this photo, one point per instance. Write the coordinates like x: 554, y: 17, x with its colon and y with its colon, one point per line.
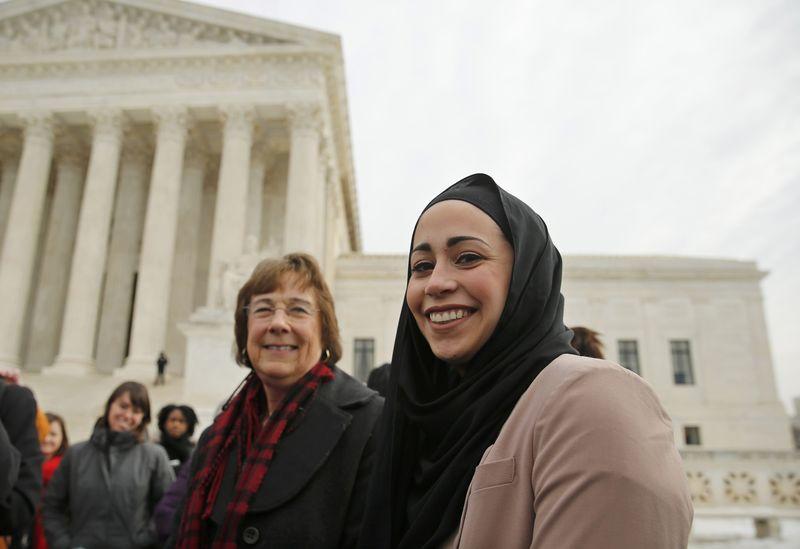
x: 256, y: 443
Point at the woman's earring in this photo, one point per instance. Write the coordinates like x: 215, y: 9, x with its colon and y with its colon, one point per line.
x: 326, y: 356
x: 246, y: 359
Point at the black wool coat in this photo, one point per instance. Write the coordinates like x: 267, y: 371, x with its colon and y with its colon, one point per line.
x: 18, y: 417
x: 315, y: 489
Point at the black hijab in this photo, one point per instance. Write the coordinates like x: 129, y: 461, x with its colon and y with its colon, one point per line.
x: 436, y: 424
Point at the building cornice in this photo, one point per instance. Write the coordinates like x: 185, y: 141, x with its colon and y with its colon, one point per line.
x: 589, y: 268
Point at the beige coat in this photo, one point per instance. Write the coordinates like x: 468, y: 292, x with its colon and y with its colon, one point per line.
x: 586, y: 460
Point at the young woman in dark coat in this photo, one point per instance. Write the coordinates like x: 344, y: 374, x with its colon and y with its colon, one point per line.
x: 177, y: 423
x: 287, y: 462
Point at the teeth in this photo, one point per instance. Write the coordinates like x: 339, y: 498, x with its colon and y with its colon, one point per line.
x: 280, y: 347
x: 447, y: 316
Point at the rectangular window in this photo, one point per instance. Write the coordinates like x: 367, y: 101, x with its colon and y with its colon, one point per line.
x: 691, y: 435
x: 364, y: 353
x: 628, y: 351
x: 681, y: 362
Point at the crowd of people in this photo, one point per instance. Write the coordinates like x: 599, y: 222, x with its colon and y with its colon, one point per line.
x: 494, y: 425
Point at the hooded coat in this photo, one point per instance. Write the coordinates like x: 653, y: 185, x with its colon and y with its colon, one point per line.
x: 104, y: 492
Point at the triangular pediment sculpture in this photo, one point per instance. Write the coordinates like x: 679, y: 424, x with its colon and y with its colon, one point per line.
x: 81, y: 25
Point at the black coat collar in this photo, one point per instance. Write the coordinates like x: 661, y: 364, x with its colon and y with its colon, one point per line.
x: 303, y: 451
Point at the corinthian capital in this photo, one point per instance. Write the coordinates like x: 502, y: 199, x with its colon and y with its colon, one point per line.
x: 238, y: 120
x: 38, y: 125
x: 172, y: 122
x: 304, y: 118
x: 108, y: 123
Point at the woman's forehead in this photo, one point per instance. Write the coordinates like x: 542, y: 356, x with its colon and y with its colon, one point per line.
x: 454, y: 218
x: 290, y: 286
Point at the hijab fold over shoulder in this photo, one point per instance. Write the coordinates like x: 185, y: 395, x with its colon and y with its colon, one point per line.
x: 437, y: 425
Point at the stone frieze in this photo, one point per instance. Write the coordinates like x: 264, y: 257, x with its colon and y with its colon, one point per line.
x: 103, y: 25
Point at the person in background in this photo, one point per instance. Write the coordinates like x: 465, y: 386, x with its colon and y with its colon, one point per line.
x: 378, y: 379
x: 161, y: 366
x: 22, y: 481
x: 53, y: 447
x: 587, y: 342
x: 176, y: 425
x: 287, y: 462
x: 495, y: 433
x: 104, y: 491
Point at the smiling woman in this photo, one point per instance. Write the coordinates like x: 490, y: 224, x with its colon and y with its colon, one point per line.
x: 286, y: 464
x: 495, y: 433
x: 104, y: 490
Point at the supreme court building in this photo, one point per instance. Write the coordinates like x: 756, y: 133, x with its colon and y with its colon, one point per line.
x: 153, y: 151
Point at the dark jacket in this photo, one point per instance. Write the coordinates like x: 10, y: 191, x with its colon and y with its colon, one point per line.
x: 164, y: 514
x: 104, y: 492
x: 314, y: 492
x: 18, y: 418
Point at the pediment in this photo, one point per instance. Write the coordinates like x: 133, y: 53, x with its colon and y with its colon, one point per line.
x: 81, y: 25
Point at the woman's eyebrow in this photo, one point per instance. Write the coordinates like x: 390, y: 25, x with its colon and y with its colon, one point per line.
x: 453, y: 240
x: 422, y: 247
x: 268, y: 301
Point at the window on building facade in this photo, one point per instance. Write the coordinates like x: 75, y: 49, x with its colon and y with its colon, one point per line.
x: 681, y: 362
x: 628, y: 352
x: 364, y: 353
x: 691, y: 435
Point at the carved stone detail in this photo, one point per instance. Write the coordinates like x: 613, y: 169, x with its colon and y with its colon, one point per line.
x: 740, y: 487
x: 171, y: 122
x: 699, y: 487
x: 103, y: 25
x: 39, y: 125
x: 304, y: 118
x: 785, y: 488
x: 108, y: 124
x: 238, y: 120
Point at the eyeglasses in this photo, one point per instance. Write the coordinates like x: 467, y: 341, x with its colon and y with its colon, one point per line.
x: 295, y: 311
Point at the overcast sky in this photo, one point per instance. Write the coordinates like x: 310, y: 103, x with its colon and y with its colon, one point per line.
x: 637, y: 127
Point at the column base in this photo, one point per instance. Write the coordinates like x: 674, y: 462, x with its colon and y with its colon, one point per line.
x: 9, y: 362
x: 72, y: 365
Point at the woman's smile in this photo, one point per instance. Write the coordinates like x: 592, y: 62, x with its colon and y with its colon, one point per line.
x: 279, y: 348
x: 448, y: 317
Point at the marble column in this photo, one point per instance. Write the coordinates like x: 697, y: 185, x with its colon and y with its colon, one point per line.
x: 76, y: 351
x: 305, y: 196
x: 8, y: 177
x: 123, y: 254
x: 22, y: 234
x: 184, y: 265
x: 48, y: 304
x: 206, y: 230
x: 148, y: 336
x: 227, y: 242
x: 255, y: 201
x: 274, y: 204
x: 332, y: 206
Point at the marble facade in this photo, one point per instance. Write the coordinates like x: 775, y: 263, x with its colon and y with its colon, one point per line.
x: 153, y: 146
x: 152, y: 152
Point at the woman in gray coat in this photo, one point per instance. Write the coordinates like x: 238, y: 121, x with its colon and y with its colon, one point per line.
x: 104, y: 491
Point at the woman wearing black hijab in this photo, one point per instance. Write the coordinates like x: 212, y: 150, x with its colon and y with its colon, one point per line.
x: 495, y: 434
